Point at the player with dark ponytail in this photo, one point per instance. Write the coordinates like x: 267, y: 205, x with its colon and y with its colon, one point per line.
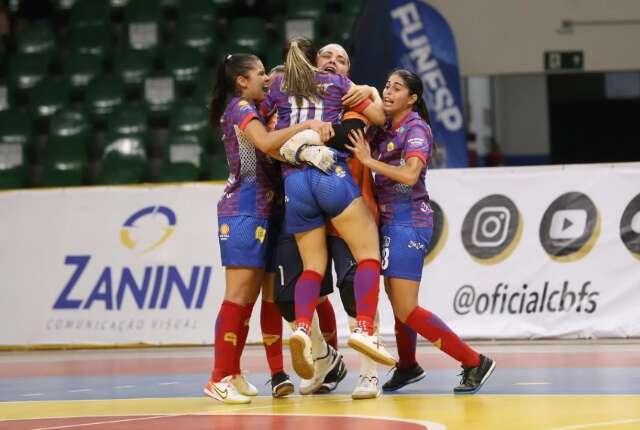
x: 402, y: 150
x: 246, y: 230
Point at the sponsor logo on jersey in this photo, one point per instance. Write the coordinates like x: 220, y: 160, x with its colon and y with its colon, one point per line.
x: 224, y: 232
x: 390, y: 147
x: 261, y: 233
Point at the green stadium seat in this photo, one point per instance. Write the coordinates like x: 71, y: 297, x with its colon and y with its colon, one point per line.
x: 128, y: 120
x: 159, y: 95
x: 36, y: 38
x: 142, y: 20
x: 132, y: 67
x: 196, y: 34
x: 16, y: 127
x: 222, y: 5
x: 340, y: 28
x: 204, y: 88
x: 310, y: 9
x: 103, y: 96
x: 249, y: 34
x: 218, y: 168
x: 199, y: 9
x: 64, y: 6
x: 49, y: 96
x: 351, y: 8
x: 91, y: 39
x: 90, y: 13
x: 16, y: 135
x: 25, y: 70
x: 184, y: 64
x: 5, y: 97
x: 184, y: 158
x: 124, y: 160
x: 14, y: 167
x: 66, y: 156
x: 118, y: 4
x: 192, y: 117
x: 80, y: 69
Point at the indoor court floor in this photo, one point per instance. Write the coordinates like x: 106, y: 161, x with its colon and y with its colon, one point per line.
x: 547, y: 385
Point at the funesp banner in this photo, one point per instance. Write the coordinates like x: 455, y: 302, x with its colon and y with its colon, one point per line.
x: 419, y: 39
x: 516, y: 253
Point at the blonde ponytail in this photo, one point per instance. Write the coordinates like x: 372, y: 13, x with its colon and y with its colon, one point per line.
x: 299, y: 74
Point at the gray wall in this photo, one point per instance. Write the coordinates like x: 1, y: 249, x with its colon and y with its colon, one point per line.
x: 510, y: 36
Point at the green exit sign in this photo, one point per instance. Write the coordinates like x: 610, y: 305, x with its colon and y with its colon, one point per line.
x: 563, y: 60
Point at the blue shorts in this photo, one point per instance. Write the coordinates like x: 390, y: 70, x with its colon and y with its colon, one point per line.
x: 403, y: 249
x: 245, y: 241
x: 313, y: 197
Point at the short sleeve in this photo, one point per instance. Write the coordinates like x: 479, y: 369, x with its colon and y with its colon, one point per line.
x: 417, y: 142
x: 244, y: 113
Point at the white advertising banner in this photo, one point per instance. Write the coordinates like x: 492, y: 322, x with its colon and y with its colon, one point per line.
x: 516, y: 253
x: 536, y: 252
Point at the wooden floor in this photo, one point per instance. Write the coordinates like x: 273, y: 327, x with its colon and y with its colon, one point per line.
x: 537, y: 385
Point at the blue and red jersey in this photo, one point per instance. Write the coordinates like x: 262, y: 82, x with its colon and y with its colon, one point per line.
x: 328, y: 108
x: 254, y: 178
x: 402, y: 204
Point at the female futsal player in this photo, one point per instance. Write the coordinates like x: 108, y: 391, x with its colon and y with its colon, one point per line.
x: 403, y: 148
x: 244, y: 211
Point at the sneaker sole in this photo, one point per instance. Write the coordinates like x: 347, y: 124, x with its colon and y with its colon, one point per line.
x: 227, y: 401
x: 408, y: 382
x: 328, y: 387
x: 364, y: 396
x: 484, y: 379
x: 283, y: 390
x: 373, y: 354
x: 302, y: 367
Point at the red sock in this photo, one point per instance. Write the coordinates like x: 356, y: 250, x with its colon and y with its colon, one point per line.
x: 306, y: 296
x: 406, y: 344
x: 436, y: 331
x: 271, y: 325
x: 227, y: 339
x: 242, y: 340
x: 327, y: 320
x: 366, y: 285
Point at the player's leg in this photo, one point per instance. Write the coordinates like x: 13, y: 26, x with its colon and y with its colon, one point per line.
x: 356, y: 226
x: 313, y: 252
x: 244, y: 261
x: 226, y: 383
x: 402, y: 278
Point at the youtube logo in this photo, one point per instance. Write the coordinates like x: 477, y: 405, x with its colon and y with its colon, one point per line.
x: 570, y: 227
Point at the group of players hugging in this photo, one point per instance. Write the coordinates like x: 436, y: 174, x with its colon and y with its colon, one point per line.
x: 303, y: 144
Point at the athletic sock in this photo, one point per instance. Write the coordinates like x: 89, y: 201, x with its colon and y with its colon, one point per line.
x: 271, y: 325
x: 366, y: 285
x: 436, y: 331
x: 327, y: 319
x: 406, y: 345
x: 227, y: 339
x: 306, y: 297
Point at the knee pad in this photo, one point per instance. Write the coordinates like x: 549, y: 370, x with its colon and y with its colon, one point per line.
x: 287, y: 310
x: 348, y: 298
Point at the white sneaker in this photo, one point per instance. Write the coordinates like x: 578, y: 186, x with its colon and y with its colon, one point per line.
x: 243, y: 385
x: 300, y: 346
x: 225, y: 392
x: 368, y: 388
x: 371, y: 346
x: 322, y: 366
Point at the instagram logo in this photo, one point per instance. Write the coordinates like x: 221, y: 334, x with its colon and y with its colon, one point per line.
x: 491, y: 229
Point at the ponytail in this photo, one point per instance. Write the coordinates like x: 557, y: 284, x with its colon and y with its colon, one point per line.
x: 299, y: 73
x: 229, y: 68
x: 421, y: 108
